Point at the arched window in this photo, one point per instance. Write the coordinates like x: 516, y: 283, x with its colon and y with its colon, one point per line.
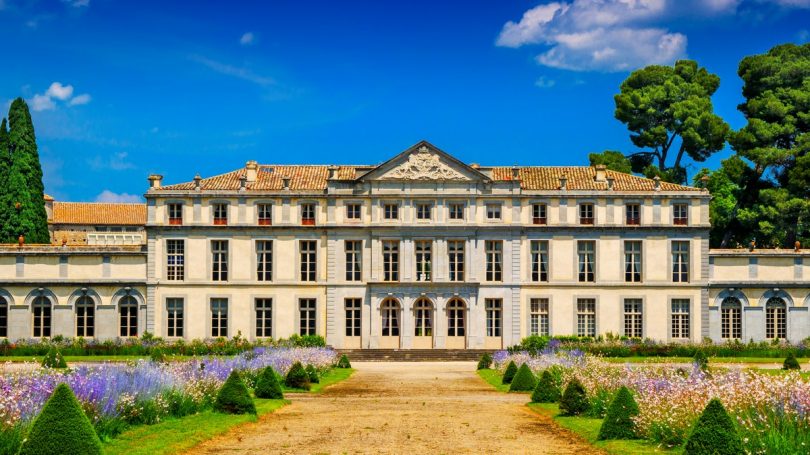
x: 128, y: 316
x: 41, y: 307
x: 456, y: 318
x: 731, y: 318
x: 85, y: 316
x: 390, y: 318
x: 3, y: 317
x: 423, y: 310
x: 776, y: 318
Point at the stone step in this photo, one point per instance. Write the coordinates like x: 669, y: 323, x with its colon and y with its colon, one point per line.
x: 413, y: 355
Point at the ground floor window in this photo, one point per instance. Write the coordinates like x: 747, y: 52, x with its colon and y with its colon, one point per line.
x: 353, y: 312
x: 680, y: 318
x: 42, y: 316
x: 390, y: 318
x: 85, y: 316
x: 731, y: 318
x: 494, y: 310
x: 3, y: 317
x: 219, y: 317
x: 264, y: 318
x: 538, y: 317
x: 174, y: 317
x: 306, y: 315
x: 128, y: 316
x: 423, y: 312
x: 456, y: 311
x: 633, y: 318
x: 586, y: 317
x: 775, y: 318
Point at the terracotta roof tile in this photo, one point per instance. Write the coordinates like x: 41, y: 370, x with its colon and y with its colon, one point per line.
x: 99, y: 213
x: 581, y: 178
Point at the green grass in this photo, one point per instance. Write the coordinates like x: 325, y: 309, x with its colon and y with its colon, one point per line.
x: 689, y: 360
x: 494, y: 379
x: 179, y: 434
x: 588, y: 429
x: 331, y: 377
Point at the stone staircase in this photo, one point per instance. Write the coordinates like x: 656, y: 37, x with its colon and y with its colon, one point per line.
x: 414, y: 355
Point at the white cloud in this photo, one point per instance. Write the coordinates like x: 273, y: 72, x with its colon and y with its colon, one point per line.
x: 234, y: 71
x: 247, y: 39
x: 42, y: 103
x: 109, y: 196
x: 116, y: 162
x: 77, y: 3
x: 59, y: 91
x: 544, y: 82
x: 793, y: 3
x: 78, y: 100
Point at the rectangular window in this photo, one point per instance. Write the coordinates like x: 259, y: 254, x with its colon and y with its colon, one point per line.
x: 494, y: 256
x: 586, y: 213
x: 586, y: 255
x: 309, y: 265
x: 175, y: 214
x: 390, y: 260
x: 539, y: 256
x: 306, y: 316
x: 220, y: 214
x: 308, y: 214
x: 264, y: 260
x: 493, y: 211
x: 175, y: 260
x: 633, y: 318
x: 219, y: 260
x: 265, y: 214
x: 423, y: 260
x: 3, y: 317
x: 391, y: 211
x: 219, y: 317
x: 456, y: 211
x: 264, y: 318
x: 633, y: 214
x: 354, y: 260
x: 353, y: 312
x: 680, y: 261
x: 174, y: 317
x: 680, y: 318
x: 538, y: 317
x: 539, y: 214
x: 353, y: 211
x: 680, y: 214
x: 494, y: 310
x: 424, y: 211
x: 632, y: 261
x: 85, y: 317
x: 455, y: 256
x: 586, y: 317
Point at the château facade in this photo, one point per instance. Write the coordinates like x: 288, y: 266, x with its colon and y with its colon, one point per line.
x: 421, y: 251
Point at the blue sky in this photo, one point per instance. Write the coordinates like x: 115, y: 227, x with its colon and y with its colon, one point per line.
x: 122, y: 89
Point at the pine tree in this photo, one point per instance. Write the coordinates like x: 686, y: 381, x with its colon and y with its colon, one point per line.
x: 5, y: 168
x: 26, y: 193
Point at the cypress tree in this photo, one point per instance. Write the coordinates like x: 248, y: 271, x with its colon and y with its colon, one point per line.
x: 24, y: 180
x: 5, y: 168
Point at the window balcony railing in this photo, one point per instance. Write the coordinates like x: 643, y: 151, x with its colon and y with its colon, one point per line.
x: 265, y: 222
x: 220, y: 221
x: 308, y: 221
x: 176, y: 221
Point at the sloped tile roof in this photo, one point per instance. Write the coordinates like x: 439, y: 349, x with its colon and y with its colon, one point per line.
x: 99, y: 213
x: 302, y: 177
x: 581, y: 178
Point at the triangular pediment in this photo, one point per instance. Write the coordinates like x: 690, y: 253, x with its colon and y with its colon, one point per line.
x: 424, y: 162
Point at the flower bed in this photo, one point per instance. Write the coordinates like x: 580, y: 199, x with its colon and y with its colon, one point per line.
x: 116, y: 395
x: 772, y: 412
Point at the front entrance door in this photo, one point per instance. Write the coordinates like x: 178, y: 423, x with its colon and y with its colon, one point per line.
x: 391, y: 324
x: 456, y: 324
x: 423, y: 332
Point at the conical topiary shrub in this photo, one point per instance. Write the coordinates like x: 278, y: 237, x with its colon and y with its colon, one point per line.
x: 61, y: 427
x: 546, y: 390
x: 574, y: 400
x: 344, y: 362
x: 524, y: 380
x: 714, y: 433
x: 297, y: 377
x: 54, y: 359
x: 618, y: 423
x: 233, y: 397
x: 702, y: 360
x: 267, y: 385
x: 312, y: 372
x: 509, y: 373
x: 791, y: 363
x: 157, y: 355
x: 485, y: 362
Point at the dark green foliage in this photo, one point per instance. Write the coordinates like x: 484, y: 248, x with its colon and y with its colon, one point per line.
x: 714, y: 433
x: 54, y: 359
x: 5, y: 168
x: 509, y: 373
x: 613, y: 160
x: 267, y: 385
x: 791, y: 363
x: 574, y: 400
x: 312, y: 372
x: 157, y: 355
x: 702, y: 360
x: 485, y: 361
x: 344, y: 362
x: 618, y: 423
x: 24, y: 183
x: 62, y: 427
x: 546, y: 390
x: 233, y: 397
x: 524, y: 380
x: 297, y: 377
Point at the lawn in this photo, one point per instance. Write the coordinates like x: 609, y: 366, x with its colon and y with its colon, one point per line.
x: 690, y: 360
x: 332, y: 376
x: 494, y: 379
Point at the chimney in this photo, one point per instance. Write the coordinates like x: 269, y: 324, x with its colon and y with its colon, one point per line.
x: 332, y: 172
x: 515, y: 172
x: 563, y: 182
x: 154, y: 181
x: 475, y: 165
x: 601, y: 172
x: 285, y: 183
x: 251, y: 170
x: 704, y: 182
x: 611, y: 181
x: 243, y: 183
x: 657, y: 183
x: 197, y: 182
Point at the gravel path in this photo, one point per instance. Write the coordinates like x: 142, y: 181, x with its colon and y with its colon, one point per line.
x: 431, y: 408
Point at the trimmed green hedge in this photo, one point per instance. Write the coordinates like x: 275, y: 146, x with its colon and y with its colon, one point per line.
x: 791, y: 363
x: 233, y: 397
x: 344, y: 362
x: 509, y: 373
x: 54, y: 359
x: 297, y: 377
x: 267, y: 385
x: 312, y: 372
x: 574, y: 400
x: 485, y: 361
x: 61, y: 428
x: 524, y: 380
x: 714, y: 433
x: 546, y: 390
x: 618, y: 423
